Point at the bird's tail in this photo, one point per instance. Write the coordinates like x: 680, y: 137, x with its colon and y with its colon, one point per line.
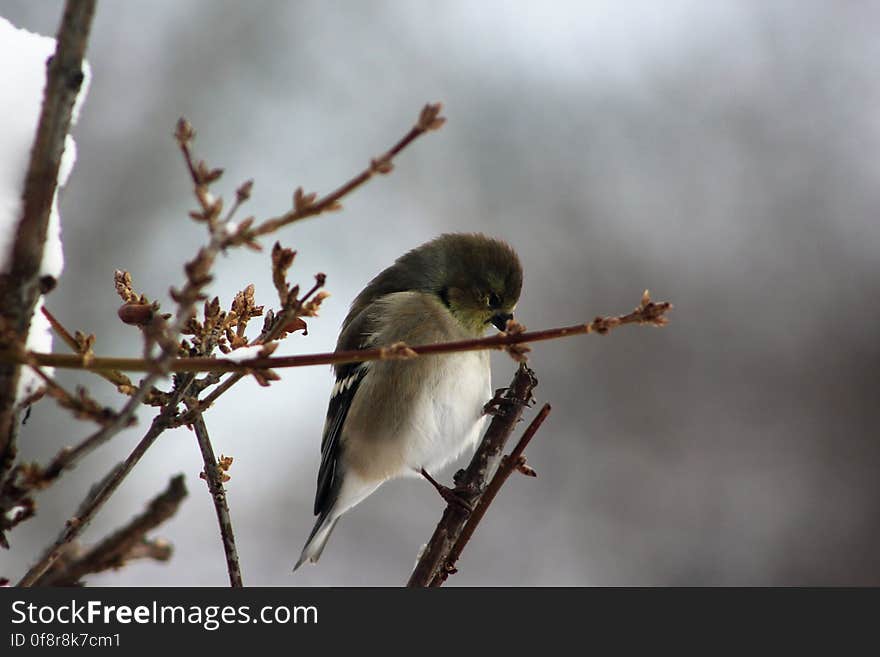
x: 311, y: 552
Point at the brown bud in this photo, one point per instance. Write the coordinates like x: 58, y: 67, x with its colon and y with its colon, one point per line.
x: 138, y: 314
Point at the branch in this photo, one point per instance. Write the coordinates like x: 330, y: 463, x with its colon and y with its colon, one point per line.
x: 471, y: 483
x: 214, y: 476
x: 305, y: 205
x: 123, y: 383
x: 513, y: 461
x: 648, y: 312
x: 125, y: 544
x: 19, y: 284
x: 100, y: 493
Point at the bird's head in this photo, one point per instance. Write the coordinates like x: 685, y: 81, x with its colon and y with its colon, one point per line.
x: 478, y: 278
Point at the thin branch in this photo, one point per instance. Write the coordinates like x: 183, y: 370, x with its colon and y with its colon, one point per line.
x: 13, y: 493
x: 123, y: 383
x: 270, y: 333
x: 214, y: 477
x: 472, y: 482
x: 510, y: 463
x: 125, y: 544
x: 19, y: 284
x: 650, y: 313
x: 96, y: 498
x: 305, y: 204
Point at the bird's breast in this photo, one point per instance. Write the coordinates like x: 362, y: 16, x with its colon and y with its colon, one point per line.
x: 448, y: 414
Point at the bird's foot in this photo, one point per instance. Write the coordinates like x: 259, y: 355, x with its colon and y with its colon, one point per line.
x: 500, y: 404
x: 454, y: 496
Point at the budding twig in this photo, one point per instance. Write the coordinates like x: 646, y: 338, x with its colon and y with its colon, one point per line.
x: 307, y: 205
x: 214, y: 477
x: 649, y: 312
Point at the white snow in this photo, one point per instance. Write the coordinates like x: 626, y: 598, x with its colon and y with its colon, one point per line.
x: 244, y: 353
x: 23, y: 57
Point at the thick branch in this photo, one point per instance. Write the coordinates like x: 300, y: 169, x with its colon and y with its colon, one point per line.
x: 19, y: 284
x: 127, y: 543
x: 513, y: 461
x: 214, y: 477
x: 649, y: 313
x: 507, y: 410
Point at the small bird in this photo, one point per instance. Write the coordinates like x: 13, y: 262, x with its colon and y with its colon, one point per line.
x: 396, y: 418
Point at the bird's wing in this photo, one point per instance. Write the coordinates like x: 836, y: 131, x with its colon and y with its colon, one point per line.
x: 348, y: 378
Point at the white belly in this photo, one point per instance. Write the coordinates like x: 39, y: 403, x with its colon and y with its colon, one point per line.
x: 449, y: 413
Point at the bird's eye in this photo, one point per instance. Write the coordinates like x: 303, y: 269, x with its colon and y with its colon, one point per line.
x: 494, y: 301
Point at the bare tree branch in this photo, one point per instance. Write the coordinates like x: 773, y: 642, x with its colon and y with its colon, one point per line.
x: 19, y: 284
x: 125, y: 544
x: 507, y: 408
x: 214, y: 477
x: 98, y: 497
x: 123, y: 383
x: 648, y: 312
x: 306, y: 205
x: 515, y: 461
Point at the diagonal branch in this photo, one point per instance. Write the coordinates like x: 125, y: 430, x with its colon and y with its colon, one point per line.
x: 105, y: 489
x: 472, y: 482
x: 127, y: 543
x: 123, y: 383
x: 513, y: 461
x: 307, y: 206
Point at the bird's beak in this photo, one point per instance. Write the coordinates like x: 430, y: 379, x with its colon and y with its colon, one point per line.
x: 500, y: 320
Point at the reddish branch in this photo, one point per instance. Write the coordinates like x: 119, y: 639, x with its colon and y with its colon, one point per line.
x: 471, y: 484
x: 515, y: 461
x: 648, y: 312
x: 20, y: 284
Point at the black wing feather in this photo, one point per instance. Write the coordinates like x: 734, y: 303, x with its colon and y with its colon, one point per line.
x: 355, y: 335
x: 348, y: 379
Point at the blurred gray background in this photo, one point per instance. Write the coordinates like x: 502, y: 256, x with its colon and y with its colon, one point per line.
x: 722, y: 154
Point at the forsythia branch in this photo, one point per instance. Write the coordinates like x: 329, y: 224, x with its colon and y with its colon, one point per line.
x: 648, y: 312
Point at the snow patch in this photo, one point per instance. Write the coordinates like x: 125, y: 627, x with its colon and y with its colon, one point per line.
x: 23, y: 57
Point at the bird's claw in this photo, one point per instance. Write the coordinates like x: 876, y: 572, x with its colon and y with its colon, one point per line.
x: 453, y: 496
x: 501, y: 404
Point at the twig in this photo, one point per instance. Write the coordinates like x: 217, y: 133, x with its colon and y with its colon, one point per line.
x: 214, y: 477
x: 507, y: 410
x: 650, y: 313
x: 13, y: 494
x: 80, y: 403
x: 510, y: 463
x: 127, y: 543
x: 123, y: 383
x: 98, y: 497
x: 271, y: 332
x: 19, y: 284
x: 307, y: 206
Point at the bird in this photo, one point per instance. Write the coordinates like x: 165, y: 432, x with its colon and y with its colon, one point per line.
x: 410, y: 417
